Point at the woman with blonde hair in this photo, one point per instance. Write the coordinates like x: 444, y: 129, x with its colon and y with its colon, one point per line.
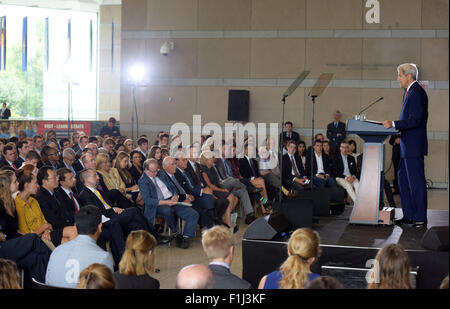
x: 96, y: 276
x: 137, y: 264
x: 8, y: 215
x: 392, y: 270
x: 210, y: 178
x: 129, y: 146
x: 121, y: 165
x: 9, y: 275
x: 295, y: 272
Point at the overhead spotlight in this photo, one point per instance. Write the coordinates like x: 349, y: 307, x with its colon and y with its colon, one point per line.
x: 167, y: 48
x: 136, y: 73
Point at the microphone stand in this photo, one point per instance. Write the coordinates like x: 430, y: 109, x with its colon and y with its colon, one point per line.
x: 370, y: 105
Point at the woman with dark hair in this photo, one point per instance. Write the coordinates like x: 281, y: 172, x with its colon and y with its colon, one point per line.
x: 328, y: 151
x: 301, y: 150
x: 352, y: 149
x: 155, y: 153
x: 392, y: 270
x: 136, y: 165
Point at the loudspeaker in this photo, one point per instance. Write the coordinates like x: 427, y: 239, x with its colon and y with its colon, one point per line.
x: 298, y: 212
x: 263, y: 229
x: 238, y: 105
x: 436, y: 238
x: 320, y: 200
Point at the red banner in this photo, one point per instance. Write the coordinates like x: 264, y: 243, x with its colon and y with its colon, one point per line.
x: 60, y: 127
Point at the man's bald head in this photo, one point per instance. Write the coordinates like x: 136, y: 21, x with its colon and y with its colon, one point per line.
x: 195, y: 276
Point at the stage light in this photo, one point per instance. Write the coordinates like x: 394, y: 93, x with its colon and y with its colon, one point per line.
x: 136, y: 73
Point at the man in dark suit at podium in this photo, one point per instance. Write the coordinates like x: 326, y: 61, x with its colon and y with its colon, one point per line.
x: 336, y: 132
x: 413, y: 147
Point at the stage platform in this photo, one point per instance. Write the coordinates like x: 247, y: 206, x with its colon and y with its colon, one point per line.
x: 353, y: 246
x: 336, y: 230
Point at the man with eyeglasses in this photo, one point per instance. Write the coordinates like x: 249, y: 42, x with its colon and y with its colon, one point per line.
x: 161, y: 198
x: 69, y: 158
x: 345, y: 171
x: 53, y: 159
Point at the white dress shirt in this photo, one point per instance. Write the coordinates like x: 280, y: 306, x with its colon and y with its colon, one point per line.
x: 165, y: 191
x: 319, y: 164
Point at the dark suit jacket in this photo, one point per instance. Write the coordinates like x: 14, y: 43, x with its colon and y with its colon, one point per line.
x: 148, y: 189
x: 87, y: 197
x: 3, y: 162
x: 395, y: 149
x: 181, y: 196
x: 135, y: 173
x: 413, y: 123
x: 224, y: 279
x: 55, y: 214
x: 246, y: 170
x: 325, y: 161
x: 287, y: 174
x: 332, y: 132
x: 194, y: 189
x: 197, y: 179
x: 295, y: 136
x: 66, y: 202
x: 18, y: 163
x: 6, y: 114
x: 57, y: 166
x: 338, y: 166
x: 77, y: 166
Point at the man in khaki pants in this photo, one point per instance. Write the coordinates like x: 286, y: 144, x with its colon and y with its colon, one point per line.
x: 344, y: 169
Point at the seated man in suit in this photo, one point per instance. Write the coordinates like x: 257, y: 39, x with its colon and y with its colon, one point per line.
x: 161, y: 198
x: 293, y: 175
x: 130, y: 219
x: 68, y: 159
x: 32, y: 158
x: 64, y: 194
x: 321, y: 173
x: 9, y: 156
x: 53, y: 159
x: 218, y: 244
x: 54, y: 213
x: 345, y: 171
x: 336, y: 132
x: 22, y: 149
x: 203, y: 197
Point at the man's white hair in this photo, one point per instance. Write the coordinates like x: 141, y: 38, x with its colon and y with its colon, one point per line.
x: 409, y: 68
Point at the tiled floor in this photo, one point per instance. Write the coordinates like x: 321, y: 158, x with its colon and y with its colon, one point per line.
x: 171, y: 260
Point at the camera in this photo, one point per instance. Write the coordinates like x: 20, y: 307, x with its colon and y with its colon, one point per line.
x: 166, y: 48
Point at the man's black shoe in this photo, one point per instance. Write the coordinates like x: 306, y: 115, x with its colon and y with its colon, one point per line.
x: 419, y: 224
x: 256, y: 190
x: 249, y: 219
x: 403, y: 221
x: 182, y: 242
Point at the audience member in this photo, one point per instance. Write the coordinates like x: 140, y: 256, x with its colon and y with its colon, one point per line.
x: 96, y: 276
x: 329, y: 151
x: 301, y: 152
x: 54, y: 213
x: 336, y: 132
x: 9, y: 275
x: 155, y: 153
x: 444, y: 284
x: 324, y: 283
x: 321, y: 173
x: 136, y: 165
x: 53, y: 159
x: 129, y: 146
x: 137, y: 265
x: 293, y: 175
x: 195, y: 277
x: 131, y: 187
x: 295, y: 272
x: 22, y: 149
x: 32, y: 158
x: 142, y: 148
x: 110, y: 129
x: 288, y: 133
x: 68, y: 159
x: 345, y: 171
x: 160, y: 198
x: 29, y: 215
x: 218, y: 244
x: 9, y: 157
x: 64, y: 143
x: 5, y: 112
x: 392, y: 270
x: 68, y: 259
x: 65, y: 196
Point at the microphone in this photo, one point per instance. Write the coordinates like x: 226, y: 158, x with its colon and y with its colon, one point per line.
x: 378, y: 100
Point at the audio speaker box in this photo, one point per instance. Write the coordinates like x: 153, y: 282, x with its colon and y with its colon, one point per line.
x: 262, y: 229
x: 238, y: 105
x: 320, y: 200
x: 299, y: 212
x: 436, y: 238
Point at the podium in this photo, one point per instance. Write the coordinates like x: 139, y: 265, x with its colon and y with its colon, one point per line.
x: 366, y: 208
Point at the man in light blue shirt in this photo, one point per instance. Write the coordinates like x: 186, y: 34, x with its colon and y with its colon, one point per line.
x: 69, y: 259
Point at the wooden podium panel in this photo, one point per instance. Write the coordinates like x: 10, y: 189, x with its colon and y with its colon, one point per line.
x: 365, y: 210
